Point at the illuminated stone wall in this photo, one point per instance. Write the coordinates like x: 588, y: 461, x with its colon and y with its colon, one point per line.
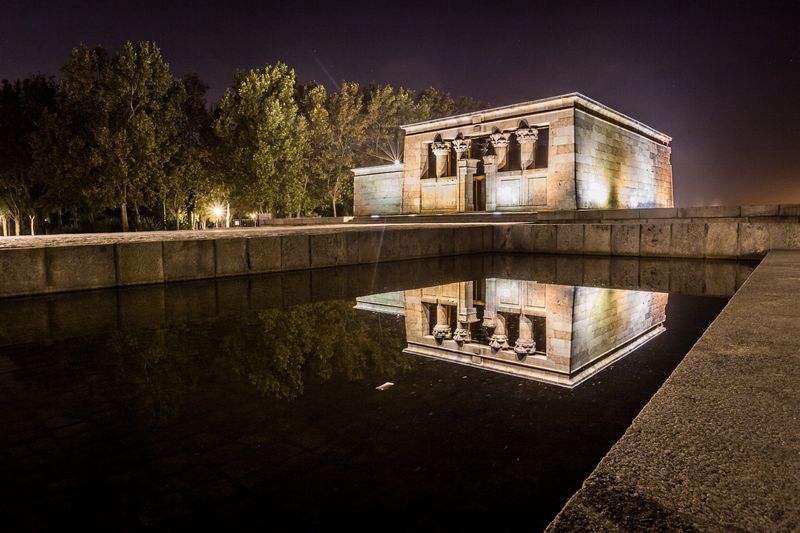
x: 514, y: 189
x: 596, y: 158
x: 606, y: 319
x: 377, y: 190
x: 586, y: 328
x: 619, y: 168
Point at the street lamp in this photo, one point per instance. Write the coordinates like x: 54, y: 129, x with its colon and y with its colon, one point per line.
x: 217, y: 211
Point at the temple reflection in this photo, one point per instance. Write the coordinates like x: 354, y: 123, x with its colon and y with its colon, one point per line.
x: 558, y: 334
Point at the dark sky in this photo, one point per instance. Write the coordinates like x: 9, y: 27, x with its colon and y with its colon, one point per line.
x: 722, y: 78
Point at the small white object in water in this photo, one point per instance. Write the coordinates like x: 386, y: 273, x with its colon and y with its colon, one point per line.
x: 385, y: 386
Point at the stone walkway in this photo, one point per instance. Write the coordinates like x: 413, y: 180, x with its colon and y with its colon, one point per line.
x: 76, y: 239
x: 718, y: 447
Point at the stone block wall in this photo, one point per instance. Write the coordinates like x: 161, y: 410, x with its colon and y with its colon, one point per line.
x: 618, y: 168
x: 378, y: 190
x: 606, y: 319
x: 437, y: 195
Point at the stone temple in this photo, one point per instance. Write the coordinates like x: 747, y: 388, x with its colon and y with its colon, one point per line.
x: 558, y: 334
x: 561, y: 153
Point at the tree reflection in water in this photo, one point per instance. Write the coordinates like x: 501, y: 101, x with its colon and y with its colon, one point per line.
x: 278, y: 350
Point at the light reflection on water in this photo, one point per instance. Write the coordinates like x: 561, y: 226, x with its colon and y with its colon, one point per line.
x: 251, y: 402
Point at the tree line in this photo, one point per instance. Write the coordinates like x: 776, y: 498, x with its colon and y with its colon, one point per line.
x: 118, y: 142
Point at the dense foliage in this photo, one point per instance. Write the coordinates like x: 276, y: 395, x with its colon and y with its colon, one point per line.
x: 117, y: 135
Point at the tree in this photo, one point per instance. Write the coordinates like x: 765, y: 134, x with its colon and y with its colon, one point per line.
x: 261, y: 140
x: 23, y: 104
x: 138, y: 140
x: 187, y: 177
x: 347, y: 125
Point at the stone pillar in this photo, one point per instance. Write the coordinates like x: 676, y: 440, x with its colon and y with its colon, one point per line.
x: 499, y: 338
x: 499, y: 141
x: 461, y: 146
x: 467, y: 314
x: 440, y: 149
x: 441, y: 330
x: 466, y: 173
x: 525, y: 344
x: 490, y: 168
x: 466, y: 309
x: 526, y: 137
x: 490, y: 306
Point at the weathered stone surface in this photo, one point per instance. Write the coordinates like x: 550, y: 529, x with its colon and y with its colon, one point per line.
x: 712, y: 211
x: 659, y: 212
x: 468, y: 240
x: 722, y: 239
x: 697, y: 433
x: 188, y: 260
x: 139, y: 263
x: 569, y: 238
x: 625, y: 239
x: 80, y: 267
x: 688, y: 239
x: 327, y: 249
x: 294, y: 252
x: 597, y: 239
x: 753, y: 239
x: 231, y: 257
x: 759, y: 210
x: 264, y: 254
x: 655, y: 240
x: 544, y: 238
x: 23, y: 271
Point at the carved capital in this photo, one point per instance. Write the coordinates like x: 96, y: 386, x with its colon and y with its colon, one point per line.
x: 440, y: 148
x: 461, y: 145
x: 527, y: 135
x: 441, y: 332
x: 524, y: 347
x: 498, y: 342
x: 461, y: 335
x: 499, y: 140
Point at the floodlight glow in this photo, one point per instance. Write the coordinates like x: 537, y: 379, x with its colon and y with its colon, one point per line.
x: 217, y: 211
x: 375, y: 216
x: 396, y: 161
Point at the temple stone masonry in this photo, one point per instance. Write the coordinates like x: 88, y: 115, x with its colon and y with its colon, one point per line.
x: 558, y: 334
x: 561, y: 153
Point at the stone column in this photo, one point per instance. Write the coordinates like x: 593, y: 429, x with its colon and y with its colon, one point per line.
x: 461, y: 146
x: 525, y: 344
x: 499, y: 338
x: 526, y: 137
x: 466, y: 175
x: 499, y: 141
x: 440, y: 149
x: 441, y: 330
x: 490, y: 168
x: 466, y: 313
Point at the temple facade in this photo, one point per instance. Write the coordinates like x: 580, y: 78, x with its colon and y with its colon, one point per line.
x: 561, y: 153
x: 559, y: 334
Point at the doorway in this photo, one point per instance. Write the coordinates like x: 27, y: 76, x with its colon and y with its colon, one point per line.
x: 479, y: 193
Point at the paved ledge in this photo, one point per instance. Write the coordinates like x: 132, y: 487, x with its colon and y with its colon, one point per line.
x: 718, y: 447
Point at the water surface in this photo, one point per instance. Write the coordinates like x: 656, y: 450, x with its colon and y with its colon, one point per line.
x: 252, y: 402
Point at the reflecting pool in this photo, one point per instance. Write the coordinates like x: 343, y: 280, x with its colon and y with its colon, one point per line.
x: 258, y: 402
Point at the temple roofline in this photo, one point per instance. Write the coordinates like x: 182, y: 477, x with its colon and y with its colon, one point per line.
x: 575, y: 100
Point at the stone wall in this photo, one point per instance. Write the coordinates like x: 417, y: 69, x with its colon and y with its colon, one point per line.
x: 618, y: 168
x: 378, y: 190
x: 606, y: 319
x: 441, y: 194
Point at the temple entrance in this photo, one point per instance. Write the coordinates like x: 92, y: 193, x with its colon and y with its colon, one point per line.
x: 479, y: 193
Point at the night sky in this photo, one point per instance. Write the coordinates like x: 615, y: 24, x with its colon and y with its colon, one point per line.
x: 722, y: 79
